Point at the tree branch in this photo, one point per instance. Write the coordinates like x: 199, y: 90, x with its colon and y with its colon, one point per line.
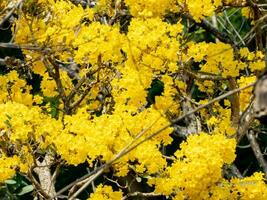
x: 140, y: 194
x: 257, y: 152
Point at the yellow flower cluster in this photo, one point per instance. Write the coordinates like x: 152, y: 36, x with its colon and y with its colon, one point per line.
x: 107, y: 135
x: 252, y: 187
x: 206, y: 86
x: 3, y: 4
x: 151, y: 8
x: 13, y: 88
x: 220, y: 122
x: 201, y: 8
x: 152, y: 48
x: 245, y: 95
x: 166, y: 102
x: 254, y: 60
x: 219, y: 58
x: 7, y: 167
x: 22, y: 123
x: 247, y: 12
x: 49, y: 87
x: 197, y: 167
x: 105, y: 193
x: 98, y: 43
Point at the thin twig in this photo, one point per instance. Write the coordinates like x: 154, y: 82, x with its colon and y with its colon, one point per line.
x: 257, y: 151
x: 82, y: 96
x: 236, y: 32
x: 205, y: 24
x: 90, y: 179
x: 140, y: 194
x: 202, y: 76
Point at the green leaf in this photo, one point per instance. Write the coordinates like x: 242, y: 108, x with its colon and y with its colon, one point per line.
x: 25, y: 190
x: 10, y: 182
x: 7, y: 123
x: 8, y: 116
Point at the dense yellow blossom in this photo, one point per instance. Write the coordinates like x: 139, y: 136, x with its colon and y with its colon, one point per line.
x: 49, y: 87
x: 252, y: 187
x: 255, y: 60
x: 245, y: 95
x: 105, y: 193
x: 146, y: 58
x: 197, y: 168
x: 98, y: 43
x: 202, y: 8
x: 151, y: 8
x: 13, y: 88
x: 8, y: 167
x: 214, y: 54
x: 90, y: 139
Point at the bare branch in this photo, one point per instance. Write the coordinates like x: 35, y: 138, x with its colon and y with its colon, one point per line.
x: 140, y: 194
x: 202, y: 76
x: 81, y: 98
x: 246, y: 119
x: 257, y: 152
x: 37, y: 185
x: 43, y: 171
x: 235, y: 105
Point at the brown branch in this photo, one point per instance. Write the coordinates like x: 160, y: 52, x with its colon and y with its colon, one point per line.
x: 36, y: 184
x: 43, y: 171
x: 230, y: 171
x: 76, y: 88
x: 243, y: 3
x: 258, y: 31
x: 81, y: 98
x: 56, y: 76
x: 140, y: 194
x: 234, y: 99
x: 90, y: 179
x: 17, y: 46
x: 2, y: 62
x: 257, y: 152
x: 245, y: 121
x: 201, y: 76
x: 59, y: 84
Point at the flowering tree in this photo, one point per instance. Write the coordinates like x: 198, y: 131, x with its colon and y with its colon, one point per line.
x: 132, y: 99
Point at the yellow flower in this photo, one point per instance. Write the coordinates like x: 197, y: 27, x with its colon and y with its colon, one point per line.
x: 105, y: 193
